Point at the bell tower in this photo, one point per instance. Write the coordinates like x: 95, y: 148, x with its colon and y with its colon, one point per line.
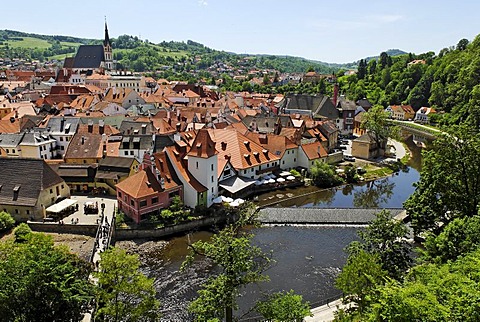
x: 107, y: 50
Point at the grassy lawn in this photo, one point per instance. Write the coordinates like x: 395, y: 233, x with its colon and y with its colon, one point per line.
x: 70, y: 44
x: 28, y: 42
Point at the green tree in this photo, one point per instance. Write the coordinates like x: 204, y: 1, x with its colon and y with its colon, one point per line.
x: 6, y: 221
x: 324, y: 175
x: 284, y: 306
x: 375, y: 121
x: 460, y: 236
x: 124, y: 293
x: 360, y: 278
x: 386, y: 237
x: 21, y: 232
x: 449, y: 185
x: 240, y: 264
x: 41, y: 282
x: 362, y: 69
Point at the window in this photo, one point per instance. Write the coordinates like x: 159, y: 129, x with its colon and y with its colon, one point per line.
x: 62, y: 148
x: 212, y: 178
x: 143, y: 203
x: 61, y: 139
x: 132, y: 203
x: 131, y: 152
x: 294, y: 159
x: 212, y: 167
x: 154, y: 200
x: 120, y: 194
x: 51, y: 190
x: 28, y: 212
x: 212, y: 189
x: 283, y: 162
x: 8, y: 151
x: 196, y: 165
x: 13, y: 150
x: 16, y: 211
x: 125, y: 152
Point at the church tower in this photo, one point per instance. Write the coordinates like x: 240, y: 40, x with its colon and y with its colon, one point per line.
x: 107, y: 50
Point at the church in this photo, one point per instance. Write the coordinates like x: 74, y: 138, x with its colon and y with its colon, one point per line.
x: 93, y: 57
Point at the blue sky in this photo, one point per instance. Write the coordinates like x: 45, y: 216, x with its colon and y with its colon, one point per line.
x: 331, y: 31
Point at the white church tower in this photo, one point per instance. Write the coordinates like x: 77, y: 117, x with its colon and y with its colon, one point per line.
x: 203, y: 163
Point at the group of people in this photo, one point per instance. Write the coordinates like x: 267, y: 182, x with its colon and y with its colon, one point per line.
x: 103, y: 234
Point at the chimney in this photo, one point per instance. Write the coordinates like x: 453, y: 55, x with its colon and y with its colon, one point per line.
x: 335, y: 94
x: 101, y: 126
x: 90, y: 126
x: 144, y: 128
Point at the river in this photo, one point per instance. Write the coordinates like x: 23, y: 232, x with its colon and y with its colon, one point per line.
x: 307, y: 258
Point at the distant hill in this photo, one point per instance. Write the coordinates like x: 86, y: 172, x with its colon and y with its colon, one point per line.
x: 142, y: 56
x: 390, y: 52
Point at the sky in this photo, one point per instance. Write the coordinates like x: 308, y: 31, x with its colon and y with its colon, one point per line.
x: 334, y: 31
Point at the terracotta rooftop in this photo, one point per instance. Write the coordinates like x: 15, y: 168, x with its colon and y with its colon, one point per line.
x: 203, y: 145
x: 142, y: 184
x: 314, y: 150
x: 242, y: 152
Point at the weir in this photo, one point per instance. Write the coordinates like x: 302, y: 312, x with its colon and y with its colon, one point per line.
x: 324, y: 216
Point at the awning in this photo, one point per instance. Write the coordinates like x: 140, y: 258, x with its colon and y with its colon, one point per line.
x: 236, y: 184
x: 62, y: 205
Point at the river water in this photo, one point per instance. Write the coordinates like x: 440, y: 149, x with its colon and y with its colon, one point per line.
x: 307, y: 258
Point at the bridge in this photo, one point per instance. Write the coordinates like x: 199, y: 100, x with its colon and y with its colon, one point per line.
x: 420, y: 131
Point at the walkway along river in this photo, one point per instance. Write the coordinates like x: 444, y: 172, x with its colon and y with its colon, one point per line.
x: 308, y: 258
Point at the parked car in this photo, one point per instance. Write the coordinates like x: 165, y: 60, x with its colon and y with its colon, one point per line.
x: 361, y: 170
x: 349, y: 158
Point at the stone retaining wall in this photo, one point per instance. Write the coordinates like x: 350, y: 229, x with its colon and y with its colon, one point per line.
x: 130, y: 234
x: 78, y: 229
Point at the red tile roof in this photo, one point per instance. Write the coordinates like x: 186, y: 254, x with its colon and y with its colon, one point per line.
x: 141, y: 184
x: 203, y: 145
x: 314, y: 150
x: 242, y: 152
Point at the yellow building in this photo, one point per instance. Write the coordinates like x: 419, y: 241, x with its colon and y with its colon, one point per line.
x: 28, y: 187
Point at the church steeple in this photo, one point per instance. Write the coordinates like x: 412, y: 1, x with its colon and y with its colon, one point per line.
x: 106, y: 41
x: 107, y: 50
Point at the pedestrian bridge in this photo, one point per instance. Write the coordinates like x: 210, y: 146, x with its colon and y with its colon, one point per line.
x: 324, y: 216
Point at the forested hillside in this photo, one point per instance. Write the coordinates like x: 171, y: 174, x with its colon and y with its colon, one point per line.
x: 449, y: 81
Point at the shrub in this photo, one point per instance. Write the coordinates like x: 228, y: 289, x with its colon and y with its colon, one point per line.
x: 21, y: 232
x: 295, y: 173
x: 6, y: 221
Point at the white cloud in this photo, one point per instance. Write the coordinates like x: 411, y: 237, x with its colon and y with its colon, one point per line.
x: 202, y: 3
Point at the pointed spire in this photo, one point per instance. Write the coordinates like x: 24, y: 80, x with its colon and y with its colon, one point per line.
x: 106, y: 41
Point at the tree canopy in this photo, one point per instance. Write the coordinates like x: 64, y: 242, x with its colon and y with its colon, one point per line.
x: 124, y: 293
x: 42, y: 282
x: 449, y: 185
